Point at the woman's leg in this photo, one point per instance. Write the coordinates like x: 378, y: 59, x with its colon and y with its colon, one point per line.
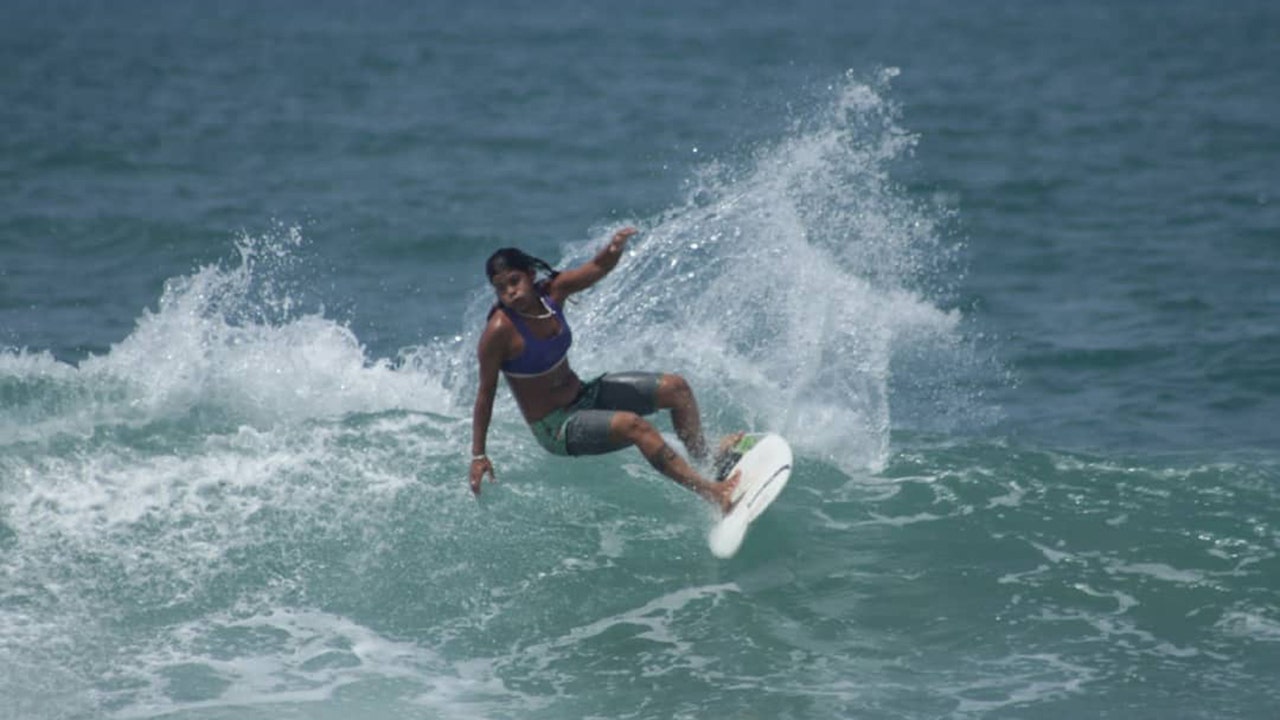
x: 675, y: 394
x: 631, y: 429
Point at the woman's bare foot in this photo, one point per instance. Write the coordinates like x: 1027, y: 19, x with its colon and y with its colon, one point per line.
x: 722, y: 463
x: 723, y: 492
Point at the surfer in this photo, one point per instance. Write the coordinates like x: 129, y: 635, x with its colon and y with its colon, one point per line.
x: 527, y: 339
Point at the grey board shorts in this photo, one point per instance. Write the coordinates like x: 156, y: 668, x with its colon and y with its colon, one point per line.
x: 582, y: 426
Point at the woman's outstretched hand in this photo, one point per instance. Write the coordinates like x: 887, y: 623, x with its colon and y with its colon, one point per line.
x: 480, y: 466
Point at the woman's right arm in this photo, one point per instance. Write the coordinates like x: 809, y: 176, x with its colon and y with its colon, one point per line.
x: 490, y: 357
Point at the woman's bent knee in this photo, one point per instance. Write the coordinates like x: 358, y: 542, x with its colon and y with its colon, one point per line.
x: 673, y: 390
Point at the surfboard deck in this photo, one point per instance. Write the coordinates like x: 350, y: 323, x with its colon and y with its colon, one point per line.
x: 765, y: 462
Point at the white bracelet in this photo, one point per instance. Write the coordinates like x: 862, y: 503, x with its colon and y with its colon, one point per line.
x: 479, y: 457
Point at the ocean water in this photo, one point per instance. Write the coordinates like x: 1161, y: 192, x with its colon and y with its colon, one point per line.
x: 1007, y: 275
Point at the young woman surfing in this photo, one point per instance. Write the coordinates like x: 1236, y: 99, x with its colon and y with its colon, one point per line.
x: 527, y: 339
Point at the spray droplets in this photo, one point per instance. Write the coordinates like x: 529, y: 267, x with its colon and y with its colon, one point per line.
x: 786, y: 287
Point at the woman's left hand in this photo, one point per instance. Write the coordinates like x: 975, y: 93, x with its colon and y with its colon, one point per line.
x: 480, y: 466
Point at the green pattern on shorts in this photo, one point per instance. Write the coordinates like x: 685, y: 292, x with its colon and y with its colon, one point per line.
x: 550, y: 430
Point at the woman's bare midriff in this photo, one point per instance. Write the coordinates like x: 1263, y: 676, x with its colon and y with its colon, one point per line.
x: 539, y: 396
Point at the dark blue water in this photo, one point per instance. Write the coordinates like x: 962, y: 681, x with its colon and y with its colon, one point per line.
x: 1005, y: 275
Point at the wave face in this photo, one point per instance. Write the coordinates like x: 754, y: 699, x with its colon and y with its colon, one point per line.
x: 238, y: 505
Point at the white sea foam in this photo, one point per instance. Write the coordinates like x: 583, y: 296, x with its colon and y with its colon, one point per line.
x: 1252, y: 623
x: 1160, y: 571
x: 655, y: 620
x: 232, y: 335
x: 229, y: 340
x: 105, y: 532
x: 246, y: 659
x: 1018, y: 681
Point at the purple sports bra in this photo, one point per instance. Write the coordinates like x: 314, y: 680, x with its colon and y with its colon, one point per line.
x: 539, y: 355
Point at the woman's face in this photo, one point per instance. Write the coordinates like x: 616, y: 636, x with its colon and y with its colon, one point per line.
x: 515, y: 289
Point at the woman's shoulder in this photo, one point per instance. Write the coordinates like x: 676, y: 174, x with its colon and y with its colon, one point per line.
x: 498, y: 334
x: 498, y: 320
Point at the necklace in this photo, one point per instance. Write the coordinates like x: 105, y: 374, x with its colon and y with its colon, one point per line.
x: 549, y: 312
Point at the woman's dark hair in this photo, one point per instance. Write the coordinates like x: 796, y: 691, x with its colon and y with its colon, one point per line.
x: 516, y: 259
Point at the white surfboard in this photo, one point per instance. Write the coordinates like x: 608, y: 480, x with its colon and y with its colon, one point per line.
x: 765, y: 462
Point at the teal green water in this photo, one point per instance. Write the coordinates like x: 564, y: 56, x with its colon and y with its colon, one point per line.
x: 1004, y: 277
